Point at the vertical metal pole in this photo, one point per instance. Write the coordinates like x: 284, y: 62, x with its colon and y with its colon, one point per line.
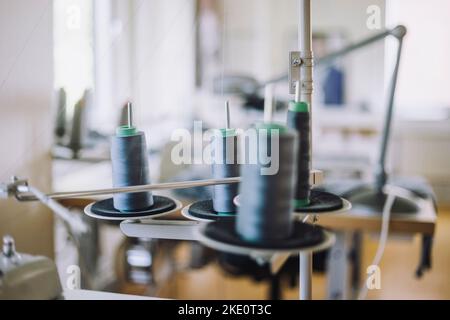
x: 305, y: 48
x: 305, y: 275
x: 306, y: 87
x: 304, y: 27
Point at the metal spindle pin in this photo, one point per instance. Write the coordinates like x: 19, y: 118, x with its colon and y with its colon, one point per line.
x: 130, y: 114
x: 268, y: 103
x: 227, y: 114
x: 297, y: 91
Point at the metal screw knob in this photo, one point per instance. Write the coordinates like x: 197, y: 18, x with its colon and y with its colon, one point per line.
x: 296, y: 62
x: 9, y: 247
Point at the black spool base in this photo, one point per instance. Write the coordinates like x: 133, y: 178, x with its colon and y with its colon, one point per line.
x: 204, y: 210
x: 321, y: 202
x: 104, y: 209
x: 303, y: 237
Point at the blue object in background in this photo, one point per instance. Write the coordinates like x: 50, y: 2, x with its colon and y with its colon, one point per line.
x: 333, y: 87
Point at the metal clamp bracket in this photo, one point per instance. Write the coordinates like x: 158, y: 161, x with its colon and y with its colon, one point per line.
x: 295, y: 62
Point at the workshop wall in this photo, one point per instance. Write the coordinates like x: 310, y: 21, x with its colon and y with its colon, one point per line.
x: 26, y: 85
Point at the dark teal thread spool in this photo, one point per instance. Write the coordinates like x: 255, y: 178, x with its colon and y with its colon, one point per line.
x: 298, y: 119
x: 130, y: 167
x: 225, y: 165
x: 265, y: 214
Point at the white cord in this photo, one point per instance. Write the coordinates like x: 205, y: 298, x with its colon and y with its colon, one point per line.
x: 386, y: 217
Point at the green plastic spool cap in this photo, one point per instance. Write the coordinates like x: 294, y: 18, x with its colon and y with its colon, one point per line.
x: 301, y: 203
x: 298, y: 106
x: 226, y: 214
x: 126, y: 131
x: 269, y: 126
x: 224, y: 132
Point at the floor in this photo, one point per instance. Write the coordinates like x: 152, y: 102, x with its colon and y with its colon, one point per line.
x: 399, y: 262
x: 397, y: 274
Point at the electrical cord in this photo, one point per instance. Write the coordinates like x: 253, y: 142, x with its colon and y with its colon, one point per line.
x: 386, y: 217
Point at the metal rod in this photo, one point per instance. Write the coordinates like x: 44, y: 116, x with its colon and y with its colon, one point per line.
x: 161, y: 229
x: 396, y: 32
x: 380, y: 173
x: 227, y: 114
x: 130, y: 114
x: 297, y: 91
x: 304, y: 26
x: 305, y: 48
x: 132, y: 189
x: 268, y: 103
x: 305, y: 277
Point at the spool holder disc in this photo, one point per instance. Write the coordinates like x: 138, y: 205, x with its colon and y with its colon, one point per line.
x: 221, y: 235
x: 104, y: 209
x: 203, y: 211
x: 321, y: 203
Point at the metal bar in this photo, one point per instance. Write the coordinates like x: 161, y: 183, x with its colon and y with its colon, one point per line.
x: 380, y: 173
x: 130, y: 114
x: 227, y: 115
x: 396, y: 32
x: 22, y: 193
x: 352, y: 47
x: 268, y: 103
x: 161, y: 229
x: 297, y: 92
x: 304, y: 26
x: 305, y: 48
x: 132, y: 189
x: 305, y: 278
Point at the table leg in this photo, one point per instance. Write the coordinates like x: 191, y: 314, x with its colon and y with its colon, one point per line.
x: 356, y: 263
x: 338, y: 276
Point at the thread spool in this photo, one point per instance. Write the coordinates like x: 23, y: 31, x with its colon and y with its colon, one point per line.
x: 265, y: 214
x: 130, y: 167
x: 298, y: 119
x: 225, y: 165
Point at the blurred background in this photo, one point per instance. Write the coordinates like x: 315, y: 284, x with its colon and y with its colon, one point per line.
x: 68, y: 68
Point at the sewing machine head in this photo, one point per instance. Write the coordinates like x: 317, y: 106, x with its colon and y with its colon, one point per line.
x: 23, y: 276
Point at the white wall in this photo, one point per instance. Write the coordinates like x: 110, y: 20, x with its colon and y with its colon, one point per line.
x: 163, y: 60
x: 421, y: 141
x: 145, y: 53
x: 26, y: 83
x: 424, y: 76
